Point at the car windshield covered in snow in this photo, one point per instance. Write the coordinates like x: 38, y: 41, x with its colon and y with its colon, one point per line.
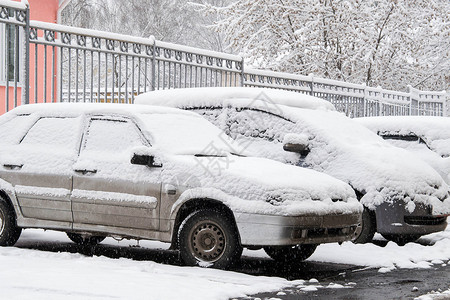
x: 187, y: 134
x: 405, y: 198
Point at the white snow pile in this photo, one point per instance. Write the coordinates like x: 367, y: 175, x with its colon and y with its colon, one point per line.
x: 29, y: 274
x: 435, y: 295
x: 209, y: 97
x: 33, y: 274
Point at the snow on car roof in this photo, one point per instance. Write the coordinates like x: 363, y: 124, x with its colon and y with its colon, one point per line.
x: 431, y: 127
x: 76, y: 109
x: 217, y: 96
x: 175, y: 130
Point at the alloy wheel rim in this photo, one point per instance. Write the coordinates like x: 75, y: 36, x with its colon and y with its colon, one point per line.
x: 207, y: 241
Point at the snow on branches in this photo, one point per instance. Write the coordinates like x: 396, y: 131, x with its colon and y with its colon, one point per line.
x: 379, y: 42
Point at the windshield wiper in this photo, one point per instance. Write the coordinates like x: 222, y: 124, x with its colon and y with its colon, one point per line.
x: 209, y: 155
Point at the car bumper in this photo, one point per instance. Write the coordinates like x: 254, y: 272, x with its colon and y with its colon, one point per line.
x: 269, y: 230
x: 393, y: 218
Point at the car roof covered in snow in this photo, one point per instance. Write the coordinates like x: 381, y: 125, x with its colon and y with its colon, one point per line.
x: 219, y: 96
x: 431, y: 127
x: 76, y: 109
x: 176, y: 130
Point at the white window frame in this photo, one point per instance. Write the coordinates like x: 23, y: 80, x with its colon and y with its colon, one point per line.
x: 3, y: 53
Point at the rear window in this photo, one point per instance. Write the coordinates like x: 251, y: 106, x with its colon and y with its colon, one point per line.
x: 54, y: 132
x: 12, y: 131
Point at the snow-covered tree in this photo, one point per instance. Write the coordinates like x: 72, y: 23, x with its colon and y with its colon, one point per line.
x: 172, y: 21
x: 391, y: 43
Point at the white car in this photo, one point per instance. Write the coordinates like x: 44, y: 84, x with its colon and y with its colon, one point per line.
x: 97, y: 170
x: 404, y: 198
x: 427, y: 137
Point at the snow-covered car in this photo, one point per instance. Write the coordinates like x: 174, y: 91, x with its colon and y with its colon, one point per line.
x: 425, y: 136
x: 142, y: 172
x: 403, y: 198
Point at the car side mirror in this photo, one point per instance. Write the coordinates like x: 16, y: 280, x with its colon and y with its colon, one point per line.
x: 295, y: 147
x: 298, y: 143
x: 145, y: 160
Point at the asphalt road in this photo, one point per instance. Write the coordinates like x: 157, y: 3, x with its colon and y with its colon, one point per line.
x: 359, y: 282
x: 366, y: 283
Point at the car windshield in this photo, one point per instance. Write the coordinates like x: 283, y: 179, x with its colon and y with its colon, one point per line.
x: 187, y: 134
x: 333, y: 126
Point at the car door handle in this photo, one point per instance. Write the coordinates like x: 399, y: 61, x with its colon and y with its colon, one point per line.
x: 12, y: 166
x: 170, y: 189
x: 84, y: 171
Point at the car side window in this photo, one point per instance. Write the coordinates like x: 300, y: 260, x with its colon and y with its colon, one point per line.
x: 257, y: 124
x: 13, y: 130
x: 112, y: 136
x: 62, y: 133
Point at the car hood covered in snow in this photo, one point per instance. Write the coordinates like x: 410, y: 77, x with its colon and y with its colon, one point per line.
x: 269, y: 187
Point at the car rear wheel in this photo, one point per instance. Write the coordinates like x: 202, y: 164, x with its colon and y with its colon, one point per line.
x: 208, y: 238
x: 82, y: 240
x: 9, y: 232
x: 401, y: 239
x: 368, y: 227
x: 291, y: 254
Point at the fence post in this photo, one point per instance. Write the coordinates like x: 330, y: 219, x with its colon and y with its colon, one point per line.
x: 410, y: 99
x: 380, y: 101
x: 242, y: 72
x: 365, y: 100
x: 312, y: 84
x: 26, y: 67
x: 444, y: 103
x: 153, y: 74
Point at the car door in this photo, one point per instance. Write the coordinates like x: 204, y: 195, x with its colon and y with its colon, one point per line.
x: 40, y: 168
x: 109, y: 191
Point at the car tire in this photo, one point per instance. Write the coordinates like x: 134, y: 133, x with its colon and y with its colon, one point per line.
x: 291, y: 254
x: 80, y: 240
x: 209, y: 238
x: 401, y: 239
x: 9, y: 232
x: 369, y: 227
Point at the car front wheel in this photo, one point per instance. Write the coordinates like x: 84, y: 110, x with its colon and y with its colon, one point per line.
x: 9, y: 232
x: 368, y: 227
x: 291, y: 254
x: 208, y: 238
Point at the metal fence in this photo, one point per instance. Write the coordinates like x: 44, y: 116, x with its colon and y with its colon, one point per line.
x: 355, y: 100
x: 67, y: 64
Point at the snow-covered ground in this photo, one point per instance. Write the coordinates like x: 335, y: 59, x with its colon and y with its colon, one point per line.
x: 34, y: 274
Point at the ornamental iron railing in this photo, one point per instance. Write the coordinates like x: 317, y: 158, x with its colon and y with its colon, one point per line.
x: 45, y: 62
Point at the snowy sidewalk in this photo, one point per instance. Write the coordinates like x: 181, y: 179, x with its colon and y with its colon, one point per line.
x: 27, y: 273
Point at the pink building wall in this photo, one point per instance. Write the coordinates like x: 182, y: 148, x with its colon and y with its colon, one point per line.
x: 46, y: 11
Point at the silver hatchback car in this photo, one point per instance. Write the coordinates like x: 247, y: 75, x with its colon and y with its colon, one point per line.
x: 142, y: 172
